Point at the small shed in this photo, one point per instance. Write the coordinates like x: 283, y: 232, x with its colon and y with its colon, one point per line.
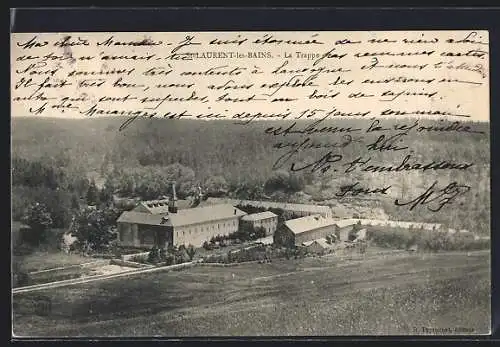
x: 318, y: 246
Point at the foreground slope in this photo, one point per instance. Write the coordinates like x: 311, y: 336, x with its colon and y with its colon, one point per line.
x: 378, y: 295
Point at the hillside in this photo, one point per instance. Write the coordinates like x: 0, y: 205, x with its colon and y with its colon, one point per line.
x: 389, y: 295
x: 244, y: 156
x: 207, y: 147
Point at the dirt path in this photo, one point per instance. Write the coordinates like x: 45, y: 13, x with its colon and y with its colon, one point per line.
x: 100, y: 277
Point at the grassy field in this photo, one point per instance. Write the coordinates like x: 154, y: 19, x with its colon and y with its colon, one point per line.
x: 314, y: 296
x: 39, y: 260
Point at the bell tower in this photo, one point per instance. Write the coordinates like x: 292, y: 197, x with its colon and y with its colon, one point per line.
x: 172, y: 204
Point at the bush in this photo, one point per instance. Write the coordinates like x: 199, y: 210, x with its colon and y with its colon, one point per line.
x: 154, y: 255
x: 163, y: 254
x: 390, y: 237
x: 400, y: 238
x: 39, y: 220
x: 260, y: 232
x: 169, y: 259
x: 95, y: 229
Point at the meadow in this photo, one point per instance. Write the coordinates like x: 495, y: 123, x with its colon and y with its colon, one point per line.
x: 379, y: 294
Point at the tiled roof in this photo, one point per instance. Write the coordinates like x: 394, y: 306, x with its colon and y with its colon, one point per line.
x: 311, y: 208
x: 161, y: 206
x: 321, y: 241
x: 183, y: 217
x: 153, y: 206
x: 259, y: 216
x: 140, y: 218
x: 342, y: 223
x: 204, y: 214
x: 308, y: 223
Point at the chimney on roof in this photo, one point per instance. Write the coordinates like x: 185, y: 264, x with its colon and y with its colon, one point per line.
x: 172, y: 205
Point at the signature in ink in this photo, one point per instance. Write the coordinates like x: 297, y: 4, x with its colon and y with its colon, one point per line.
x: 356, y: 189
x: 294, y: 147
x: 322, y: 165
x: 434, y: 198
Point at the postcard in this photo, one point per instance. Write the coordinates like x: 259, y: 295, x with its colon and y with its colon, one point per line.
x: 188, y: 184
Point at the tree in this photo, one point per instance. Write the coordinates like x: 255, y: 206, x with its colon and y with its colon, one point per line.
x: 260, y: 232
x: 95, y: 228
x: 180, y: 254
x: 58, y: 203
x: 278, y: 181
x: 163, y: 254
x: 285, y: 182
x: 282, y: 237
x: 75, y: 203
x: 39, y: 221
x: 183, y: 176
x: 92, y: 194
x: 249, y: 191
x: 80, y: 186
x: 330, y: 239
x: 154, y: 255
x: 106, y: 195
x: 191, y: 252
x: 245, y: 232
x: 216, y: 186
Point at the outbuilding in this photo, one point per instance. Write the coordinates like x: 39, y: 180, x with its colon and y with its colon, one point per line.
x: 266, y: 220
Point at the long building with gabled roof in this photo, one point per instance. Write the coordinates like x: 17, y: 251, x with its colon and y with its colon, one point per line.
x: 191, y: 226
x: 313, y: 227
x: 291, y: 210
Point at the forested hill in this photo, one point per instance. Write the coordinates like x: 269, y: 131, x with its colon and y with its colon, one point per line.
x: 243, y: 155
x: 216, y: 147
